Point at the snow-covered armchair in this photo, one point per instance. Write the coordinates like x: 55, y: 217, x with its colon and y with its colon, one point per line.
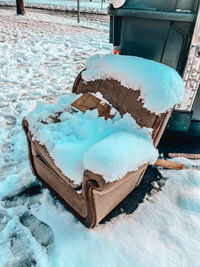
x: 125, y: 87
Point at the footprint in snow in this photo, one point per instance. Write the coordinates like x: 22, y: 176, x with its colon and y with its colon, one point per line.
x: 20, y: 248
x: 27, y: 197
x: 28, y: 262
x: 40, y: 230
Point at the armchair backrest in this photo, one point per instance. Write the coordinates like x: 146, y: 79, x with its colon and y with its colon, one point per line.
x: 125, y: 100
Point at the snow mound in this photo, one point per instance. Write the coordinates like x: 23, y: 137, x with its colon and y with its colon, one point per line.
x: 118, y: 154
x: 161, y: 86
x: 84, y: 141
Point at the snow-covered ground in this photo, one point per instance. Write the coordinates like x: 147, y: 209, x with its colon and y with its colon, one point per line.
x: 94, y: 6
x: 40, y: 55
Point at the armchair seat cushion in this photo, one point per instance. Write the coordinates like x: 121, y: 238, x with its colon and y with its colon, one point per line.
x: 120, y: 153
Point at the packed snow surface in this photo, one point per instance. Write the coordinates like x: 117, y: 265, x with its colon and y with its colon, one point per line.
x: 111, y: 148
x: 161, y: 86
x: 35, y: 229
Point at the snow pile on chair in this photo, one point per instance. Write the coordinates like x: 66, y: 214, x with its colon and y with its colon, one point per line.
x: 161, y: 87
x: 80, y: 141
x: 110, y: 147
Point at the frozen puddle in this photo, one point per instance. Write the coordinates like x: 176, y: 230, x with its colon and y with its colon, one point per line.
x: 39, y: 59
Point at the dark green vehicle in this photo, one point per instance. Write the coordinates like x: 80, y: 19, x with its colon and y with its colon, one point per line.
x: 168, y: 32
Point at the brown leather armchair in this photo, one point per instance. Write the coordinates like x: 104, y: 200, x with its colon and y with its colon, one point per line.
x: 95, y: 198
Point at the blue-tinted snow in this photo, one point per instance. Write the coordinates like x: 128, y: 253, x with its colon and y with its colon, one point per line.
x: 111, y: 148
x: 161, y: 87
x: 35, y: 229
